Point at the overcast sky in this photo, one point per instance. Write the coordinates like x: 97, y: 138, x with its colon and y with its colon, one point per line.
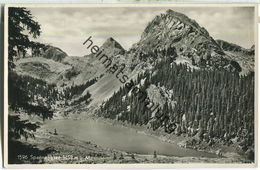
x: 67, y: 28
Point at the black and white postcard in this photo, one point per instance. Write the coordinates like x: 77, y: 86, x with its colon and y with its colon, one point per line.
x: 130, y: 85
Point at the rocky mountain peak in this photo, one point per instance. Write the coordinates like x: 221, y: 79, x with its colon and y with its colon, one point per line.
x: 174, y: 24
x: 173, y: 34
x: 111, y: 47
x: 253, y: 47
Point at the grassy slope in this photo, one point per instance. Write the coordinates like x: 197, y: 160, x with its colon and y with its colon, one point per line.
x: 42, y: 68
x: 53, y: 72
x: 87, y: 67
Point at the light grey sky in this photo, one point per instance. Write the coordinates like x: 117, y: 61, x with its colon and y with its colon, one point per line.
x: 67, y: 28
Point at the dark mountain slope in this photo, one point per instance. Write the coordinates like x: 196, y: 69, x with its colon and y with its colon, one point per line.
x: 214, y: 106
x: 212, y: 103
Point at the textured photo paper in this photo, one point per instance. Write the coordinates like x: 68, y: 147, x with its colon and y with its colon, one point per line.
x: 130, y: 85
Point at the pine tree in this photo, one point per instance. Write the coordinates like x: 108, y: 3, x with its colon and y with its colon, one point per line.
x: 216, y: 102
x: 20, y: 20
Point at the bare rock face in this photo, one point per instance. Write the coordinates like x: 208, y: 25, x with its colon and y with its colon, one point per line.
x: 112, y: 48
x: 173, y: 34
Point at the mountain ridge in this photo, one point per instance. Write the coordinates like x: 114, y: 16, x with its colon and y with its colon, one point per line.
x: 169, y: 35
x: 227, y: 46
x: 174, y: 34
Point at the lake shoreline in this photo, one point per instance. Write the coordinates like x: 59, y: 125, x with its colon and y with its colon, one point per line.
x: 86, y: 152
x: 67, y: 150
x: 228, y: 151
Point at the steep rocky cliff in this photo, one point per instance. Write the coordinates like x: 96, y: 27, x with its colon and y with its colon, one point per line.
x: 175, y: 35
